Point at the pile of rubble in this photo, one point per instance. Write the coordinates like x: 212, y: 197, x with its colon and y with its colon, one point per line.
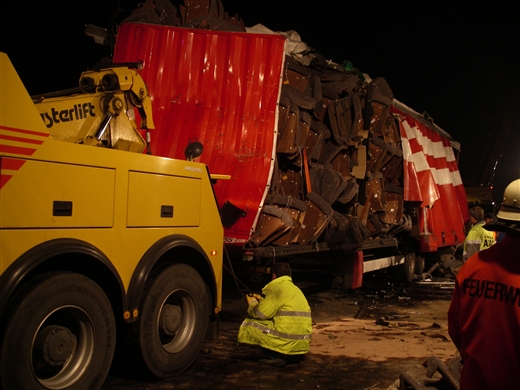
x: 339, y: 157
x: 204, y: 14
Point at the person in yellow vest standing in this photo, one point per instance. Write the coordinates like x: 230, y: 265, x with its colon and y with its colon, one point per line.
x: 478, y: 238
x: 279, y: 320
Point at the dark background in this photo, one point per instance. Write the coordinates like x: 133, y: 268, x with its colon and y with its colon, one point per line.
x: 457, y: 62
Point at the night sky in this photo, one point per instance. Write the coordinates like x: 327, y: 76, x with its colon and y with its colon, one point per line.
x: 457, y: 62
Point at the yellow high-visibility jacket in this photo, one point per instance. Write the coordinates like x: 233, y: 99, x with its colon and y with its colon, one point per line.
x: 281, y: 321
x: 477, y: 239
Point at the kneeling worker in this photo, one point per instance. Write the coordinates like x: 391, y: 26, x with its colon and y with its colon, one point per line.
x: 280, y: 321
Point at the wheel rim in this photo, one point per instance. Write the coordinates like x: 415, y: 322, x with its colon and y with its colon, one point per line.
x: 176, y: 322
x: 62, y: 347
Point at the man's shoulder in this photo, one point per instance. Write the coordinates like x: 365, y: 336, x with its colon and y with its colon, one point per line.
x: 479, y: 225
x: 278, y: 281
x: 282, y: 279
x: 478, y: 229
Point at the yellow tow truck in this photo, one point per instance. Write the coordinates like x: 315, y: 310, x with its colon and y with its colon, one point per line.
x: 100, y: 243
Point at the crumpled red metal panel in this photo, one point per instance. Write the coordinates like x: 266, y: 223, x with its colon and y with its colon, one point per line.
x: 432, y: 177
x: 420, y: 164
x: 221, y: 88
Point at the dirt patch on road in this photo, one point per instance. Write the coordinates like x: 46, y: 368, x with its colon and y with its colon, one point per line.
x: 381, y: 340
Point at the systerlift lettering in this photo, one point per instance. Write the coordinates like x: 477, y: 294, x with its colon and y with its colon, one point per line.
x: 77, y: 112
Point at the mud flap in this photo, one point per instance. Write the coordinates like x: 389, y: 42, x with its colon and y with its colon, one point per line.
x: 230, y: 214
x: 348, y: 270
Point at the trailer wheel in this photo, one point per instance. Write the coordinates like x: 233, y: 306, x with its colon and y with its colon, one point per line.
x: 173, y: 320
x: 405, y: 272
x: 420, y: 264
x: 60, y: 334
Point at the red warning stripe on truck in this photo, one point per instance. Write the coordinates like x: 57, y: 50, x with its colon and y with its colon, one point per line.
x: 17, y: 143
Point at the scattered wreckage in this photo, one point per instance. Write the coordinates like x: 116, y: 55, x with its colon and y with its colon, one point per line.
x: 326, y: 166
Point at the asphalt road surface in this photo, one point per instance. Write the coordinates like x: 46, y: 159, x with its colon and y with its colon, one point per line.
x: 363, y: 339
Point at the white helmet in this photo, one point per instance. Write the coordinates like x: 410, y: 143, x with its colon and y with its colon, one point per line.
x: 510, y: 209
x: 508, y: 218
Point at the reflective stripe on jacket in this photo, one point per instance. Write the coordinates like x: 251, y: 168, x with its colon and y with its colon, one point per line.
x: 281, y: 321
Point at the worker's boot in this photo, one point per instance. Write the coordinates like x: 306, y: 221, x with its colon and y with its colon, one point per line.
x: 272, y: 358
x: 272, y: 361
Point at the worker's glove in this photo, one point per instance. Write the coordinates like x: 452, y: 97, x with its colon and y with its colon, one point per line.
x: 257, y: 296
x: 252, y: 298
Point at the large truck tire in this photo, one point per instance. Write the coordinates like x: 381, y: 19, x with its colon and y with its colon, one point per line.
x: 60, y: 334
x: 174, y: 320
x: 405, y: 272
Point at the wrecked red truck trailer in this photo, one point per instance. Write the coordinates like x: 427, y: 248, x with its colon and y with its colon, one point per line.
x: 324, y: 162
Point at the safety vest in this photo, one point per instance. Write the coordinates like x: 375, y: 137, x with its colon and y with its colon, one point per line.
x: 281, y: 321
x: 477, y: 239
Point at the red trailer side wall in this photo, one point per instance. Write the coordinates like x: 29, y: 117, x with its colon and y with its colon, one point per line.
x: 220, y: 88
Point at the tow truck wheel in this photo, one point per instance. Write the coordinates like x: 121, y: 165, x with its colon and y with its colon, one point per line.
x: 173, y: 320
x: 60, y: 334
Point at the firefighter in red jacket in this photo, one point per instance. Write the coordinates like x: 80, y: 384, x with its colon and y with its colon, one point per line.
x: 484, y: 315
